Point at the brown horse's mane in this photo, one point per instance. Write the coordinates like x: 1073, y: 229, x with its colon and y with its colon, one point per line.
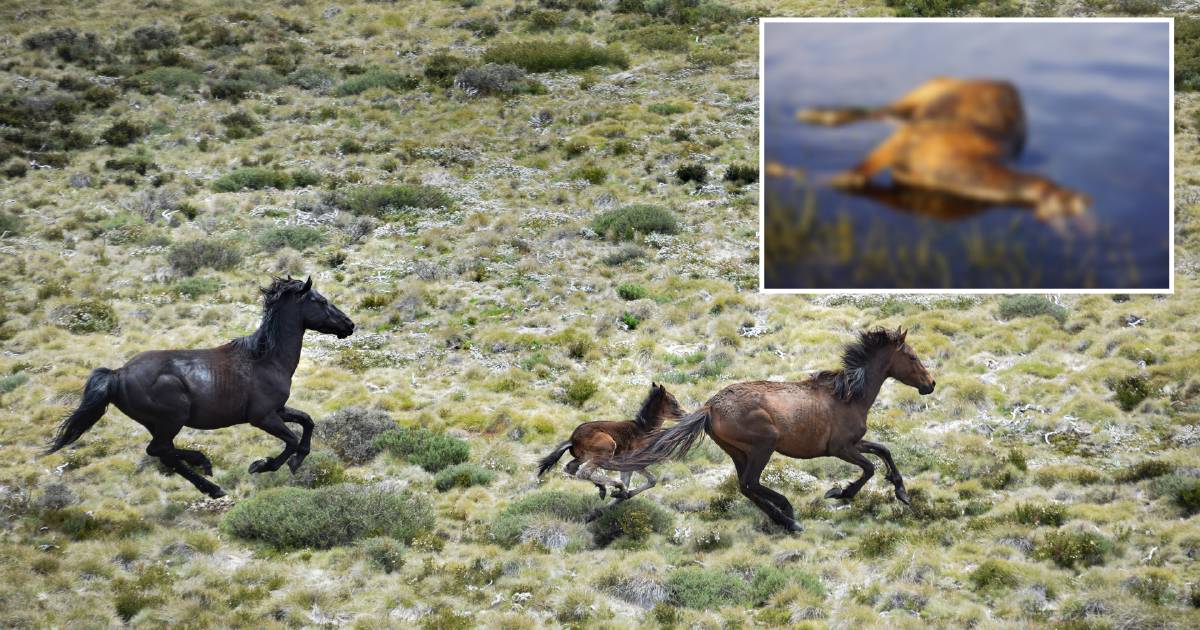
x: 848, y: 382
x: 262, y: 340
x: 650, y: 407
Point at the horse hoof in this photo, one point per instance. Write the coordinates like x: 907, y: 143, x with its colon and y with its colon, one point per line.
x: 621, y: 494
x: 834, y: 493
x: 593, y: 515
x: 216, y: 493
x: 294, y: 463
x: 258, y: 465
x: 794, y: 527
x: 902, y: 496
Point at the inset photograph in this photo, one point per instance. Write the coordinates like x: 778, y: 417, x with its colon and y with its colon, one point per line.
x: 1008, y: 155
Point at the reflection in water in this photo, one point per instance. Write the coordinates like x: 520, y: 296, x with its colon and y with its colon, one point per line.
x: 1097, y: 102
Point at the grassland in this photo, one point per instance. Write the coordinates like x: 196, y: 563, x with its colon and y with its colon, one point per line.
x: 161, y: 159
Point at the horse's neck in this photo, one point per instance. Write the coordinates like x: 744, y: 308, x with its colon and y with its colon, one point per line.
x: 876, y: 375
x: 285, y: 352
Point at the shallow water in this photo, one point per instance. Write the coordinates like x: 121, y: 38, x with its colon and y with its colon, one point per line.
x: 1097, y: 102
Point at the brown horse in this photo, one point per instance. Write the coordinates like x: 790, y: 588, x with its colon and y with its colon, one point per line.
x: 825, y: 415
x: 956, y: 136
x: 594, y: 443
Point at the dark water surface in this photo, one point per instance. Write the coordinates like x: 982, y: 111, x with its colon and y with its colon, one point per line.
x: 1097, y: 102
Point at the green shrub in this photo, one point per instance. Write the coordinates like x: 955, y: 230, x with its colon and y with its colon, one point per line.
x: 769, y: 579
x: 240, y: 125
x: 377, y: 78
x: 550, y: 55
x: 579, y: 389
x: 660, y: 37
x: 194, y: 287
x: 442, y: 67
x: 10, y: 382
x: 10, y: 224
x: 710, y: 57
x: 384, y: 553
x: 293, y: 518
x: 1016, y: 306
x: 512, y: 521
x: 1036, y: 514
x: 139, y: 164
x: 122, y: 133
x: 1187, y: 54
x: 878, y: 542
x: 191, y: 256
x: 692, y: 173
x: 993, y: 574
x: 741, y: 174
x: 392, y: 201
x: 1187, y: 496
x: 252, y: 178
x: 1152, y: 585
x: 496, y: 79
x: 315, y: 78
x: 462, y: 475
x: 931, y: 8
x: 592, y: 174
x: 86, y: 316
x: 420, y: 446
x: 621, y: 224
x: 631, y: 291
x: 630, y: 320
x: 667, y: 109
x: 1069, y: 549
x: 1145, y: 469
x: 297, y: 237
x: 231, y: 89
x: 706, y: 588
x: 1130, y: 390
x: 165, y: 80
x: 633, y: 520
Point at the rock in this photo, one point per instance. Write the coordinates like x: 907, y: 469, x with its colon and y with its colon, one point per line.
x: 330, y: 12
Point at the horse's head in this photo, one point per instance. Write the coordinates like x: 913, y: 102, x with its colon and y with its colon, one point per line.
x: 320, y: 315
x: 668, y: 406
x: 907, y: 368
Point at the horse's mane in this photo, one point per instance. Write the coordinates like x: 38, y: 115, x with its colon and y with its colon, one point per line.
x: 262, y: 341
x: 848, y: 383
x: 649, y: 410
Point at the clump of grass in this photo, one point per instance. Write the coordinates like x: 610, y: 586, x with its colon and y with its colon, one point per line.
x: 86, y: 316
x: 706, y: 588
x: 710, y: 57
x: 1069, y: 549
x: 297, y: 237
x: 1152, y: 585
x: 625, y: 254
x: 384, y: 553
x: 294, y: 518
x: 350, y: 432
x: 377, y: 78
x: 622, y: 224
x: 1036, y: 514
x: 191, y: 256
x: 1187, y: 53
x: 462, y: 475
x: 240, y: 125
x: 496, y: 79
x: 1130, y: 390
x: 1016, y: 306
x: 992, y: 574
x: 579, y: 390
x: 1146, y: 469
x: 931, y: 8
x: 550, y: 55
x: 511, y: 523
x: 878, y: 542
x: 168, y: 80
x: 10, y: 224
x: 392, y: 201
x: 424, y: 448
x: 442, y: 67
x: 252, y: 178
x: 195, y: 287
x: 634, y: 520
x: 631, y: 291
x: 692, y: 173
x: 591, y: 173
x: 122, y: 133
x: 668, y: 109
x: 1187, y: 496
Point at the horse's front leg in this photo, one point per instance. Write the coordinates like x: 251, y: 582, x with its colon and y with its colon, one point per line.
x: 305, y: 421
x: 273, y: 424
x: 893, y: 473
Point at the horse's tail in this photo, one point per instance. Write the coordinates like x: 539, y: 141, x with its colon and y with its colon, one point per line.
x: 96, y: 396
x: 548, y: 462
x: 673, y: 442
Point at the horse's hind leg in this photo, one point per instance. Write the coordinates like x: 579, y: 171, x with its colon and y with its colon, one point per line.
x: 594, y: 474
x: 893, y: 473
x: 878, y: 159
x: 274, y: 425
x: 650, y: 483
x: 739, y: 463
x: 162, y: 447
x: 854, y: 457
x: 572, y: 467
x: 305, y: 421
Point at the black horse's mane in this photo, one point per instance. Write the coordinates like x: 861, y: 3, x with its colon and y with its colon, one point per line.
x: 848, y: 383
x: 262, y: 340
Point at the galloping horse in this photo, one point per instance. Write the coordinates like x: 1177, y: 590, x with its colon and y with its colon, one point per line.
x: 246, y: 380
x: 594, y: 443
x: 825, y: 415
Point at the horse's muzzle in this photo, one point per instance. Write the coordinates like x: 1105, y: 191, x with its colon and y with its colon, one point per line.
x: 927, y: 390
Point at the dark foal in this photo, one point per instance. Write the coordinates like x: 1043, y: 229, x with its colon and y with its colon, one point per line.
x: 825, y: 415
x: 247, y: 380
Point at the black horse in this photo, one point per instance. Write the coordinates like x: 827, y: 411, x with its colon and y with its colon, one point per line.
x: 246, y: 380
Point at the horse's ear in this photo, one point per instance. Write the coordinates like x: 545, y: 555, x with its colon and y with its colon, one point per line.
x: 307, y: 285
x: 901, y: 334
